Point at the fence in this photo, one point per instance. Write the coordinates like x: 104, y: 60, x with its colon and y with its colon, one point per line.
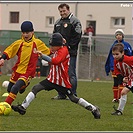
x: 90, y: 61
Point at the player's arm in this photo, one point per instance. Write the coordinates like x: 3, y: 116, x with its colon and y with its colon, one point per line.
x: 44, y: 57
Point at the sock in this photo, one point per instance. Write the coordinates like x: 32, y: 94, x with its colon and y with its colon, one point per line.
x: 85, y: 104
x: 39, y: 74
x: 120, y: 89
x: 122, y: 102
x: 115, y: 91
x: 10, y: 98
x: 28, y: 100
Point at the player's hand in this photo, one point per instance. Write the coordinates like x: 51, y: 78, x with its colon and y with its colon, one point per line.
x: 2, y: 62
x: 39, y: 52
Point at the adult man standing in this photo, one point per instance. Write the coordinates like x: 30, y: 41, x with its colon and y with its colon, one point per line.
x: 70, y: 28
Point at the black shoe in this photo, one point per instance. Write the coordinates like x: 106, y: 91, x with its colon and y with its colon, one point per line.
x: 59, y: 98
x: 18, y: 108
x: 96, y: 113
x: 117, y: 112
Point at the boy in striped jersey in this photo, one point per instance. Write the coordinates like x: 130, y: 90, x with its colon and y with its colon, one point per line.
x: 58, y: 78
x: 123, y: 65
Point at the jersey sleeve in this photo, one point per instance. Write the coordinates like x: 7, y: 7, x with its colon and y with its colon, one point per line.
x: 12, y: 49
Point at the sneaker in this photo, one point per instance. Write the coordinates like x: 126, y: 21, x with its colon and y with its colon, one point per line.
x: 59, y: 98
x: 117, y: 112
x: 96, y: 113
x: 18, y: 108
x: 115, y: 100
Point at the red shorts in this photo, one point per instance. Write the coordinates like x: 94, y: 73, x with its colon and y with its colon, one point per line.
x: 25, y: 77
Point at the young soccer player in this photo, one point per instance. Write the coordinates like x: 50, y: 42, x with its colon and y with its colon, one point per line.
x: 109, y: 65
x: 25, y: 66
x: 123, y: 65
x: 57, y: 79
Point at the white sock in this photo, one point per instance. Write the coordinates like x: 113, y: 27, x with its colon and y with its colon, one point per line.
x: 122, y: 102
x: 28, y: 99
x: 84, y: 103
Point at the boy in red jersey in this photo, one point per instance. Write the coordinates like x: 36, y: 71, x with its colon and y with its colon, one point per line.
x: 123, y: 65
x: 57, y: 79
x: 25, y: 66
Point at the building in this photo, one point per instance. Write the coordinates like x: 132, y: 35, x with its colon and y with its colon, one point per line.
x: 105, y: 17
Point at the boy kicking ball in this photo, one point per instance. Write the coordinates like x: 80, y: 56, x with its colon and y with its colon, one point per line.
x: 57, y: 79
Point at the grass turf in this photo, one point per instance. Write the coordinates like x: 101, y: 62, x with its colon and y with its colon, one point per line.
x: 45, y: 114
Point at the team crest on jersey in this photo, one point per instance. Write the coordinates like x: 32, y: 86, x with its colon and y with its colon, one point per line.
x: 65, y: 25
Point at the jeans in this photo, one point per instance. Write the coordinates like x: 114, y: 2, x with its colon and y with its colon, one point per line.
x: 72, y: 75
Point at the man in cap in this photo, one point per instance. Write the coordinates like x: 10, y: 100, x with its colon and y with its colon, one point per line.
x: 109, y: 65
x: 25, y: 66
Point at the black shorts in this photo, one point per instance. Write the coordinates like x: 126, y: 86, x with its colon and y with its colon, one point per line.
x: 50, y: 86
x: 130, y: 88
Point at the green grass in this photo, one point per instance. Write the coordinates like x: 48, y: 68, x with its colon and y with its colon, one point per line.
x: 45, y: 114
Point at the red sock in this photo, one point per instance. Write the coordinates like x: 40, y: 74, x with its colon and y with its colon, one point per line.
x: 10, y: 98
x: 115, y: 92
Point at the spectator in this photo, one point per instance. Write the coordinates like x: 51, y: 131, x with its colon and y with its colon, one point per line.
x: 90, y: 32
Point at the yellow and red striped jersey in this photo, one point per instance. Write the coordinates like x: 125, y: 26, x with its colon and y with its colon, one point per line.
x: 26, y: 53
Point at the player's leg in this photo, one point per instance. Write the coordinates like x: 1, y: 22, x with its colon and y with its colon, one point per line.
x: 115, y: 89
x: 43, y: 85
x: 14, y: 90
x: 94, y: 109
x: 122, y: 102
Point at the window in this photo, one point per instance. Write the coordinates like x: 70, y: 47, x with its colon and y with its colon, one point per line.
x: 118, y: 22
x: 49, y: 21
x: 14, y: 17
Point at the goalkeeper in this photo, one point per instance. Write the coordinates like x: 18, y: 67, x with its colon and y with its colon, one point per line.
x: 57, y: 79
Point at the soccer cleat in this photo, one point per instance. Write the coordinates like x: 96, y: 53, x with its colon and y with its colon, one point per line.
x: 59, y: 98
x: 115, y: 100
x: 117, y: 112
x: 96, y: 113
x: 18, y: 108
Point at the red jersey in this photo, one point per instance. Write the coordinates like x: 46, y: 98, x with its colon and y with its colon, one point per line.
x: 125, y: 67
x: 59, y: 68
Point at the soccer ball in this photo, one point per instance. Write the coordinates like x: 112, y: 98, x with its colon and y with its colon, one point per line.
x: 5, y: 84
x: 5, y: 108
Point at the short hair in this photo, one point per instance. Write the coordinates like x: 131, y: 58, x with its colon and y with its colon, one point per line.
x: 119, y: 47
x: 64, y: 5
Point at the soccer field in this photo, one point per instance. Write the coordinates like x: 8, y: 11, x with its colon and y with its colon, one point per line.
x: 45, y: 114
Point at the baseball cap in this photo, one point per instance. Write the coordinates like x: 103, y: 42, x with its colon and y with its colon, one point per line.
x: 27, y: 26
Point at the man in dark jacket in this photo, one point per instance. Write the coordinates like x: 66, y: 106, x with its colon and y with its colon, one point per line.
x: 70, y: 28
